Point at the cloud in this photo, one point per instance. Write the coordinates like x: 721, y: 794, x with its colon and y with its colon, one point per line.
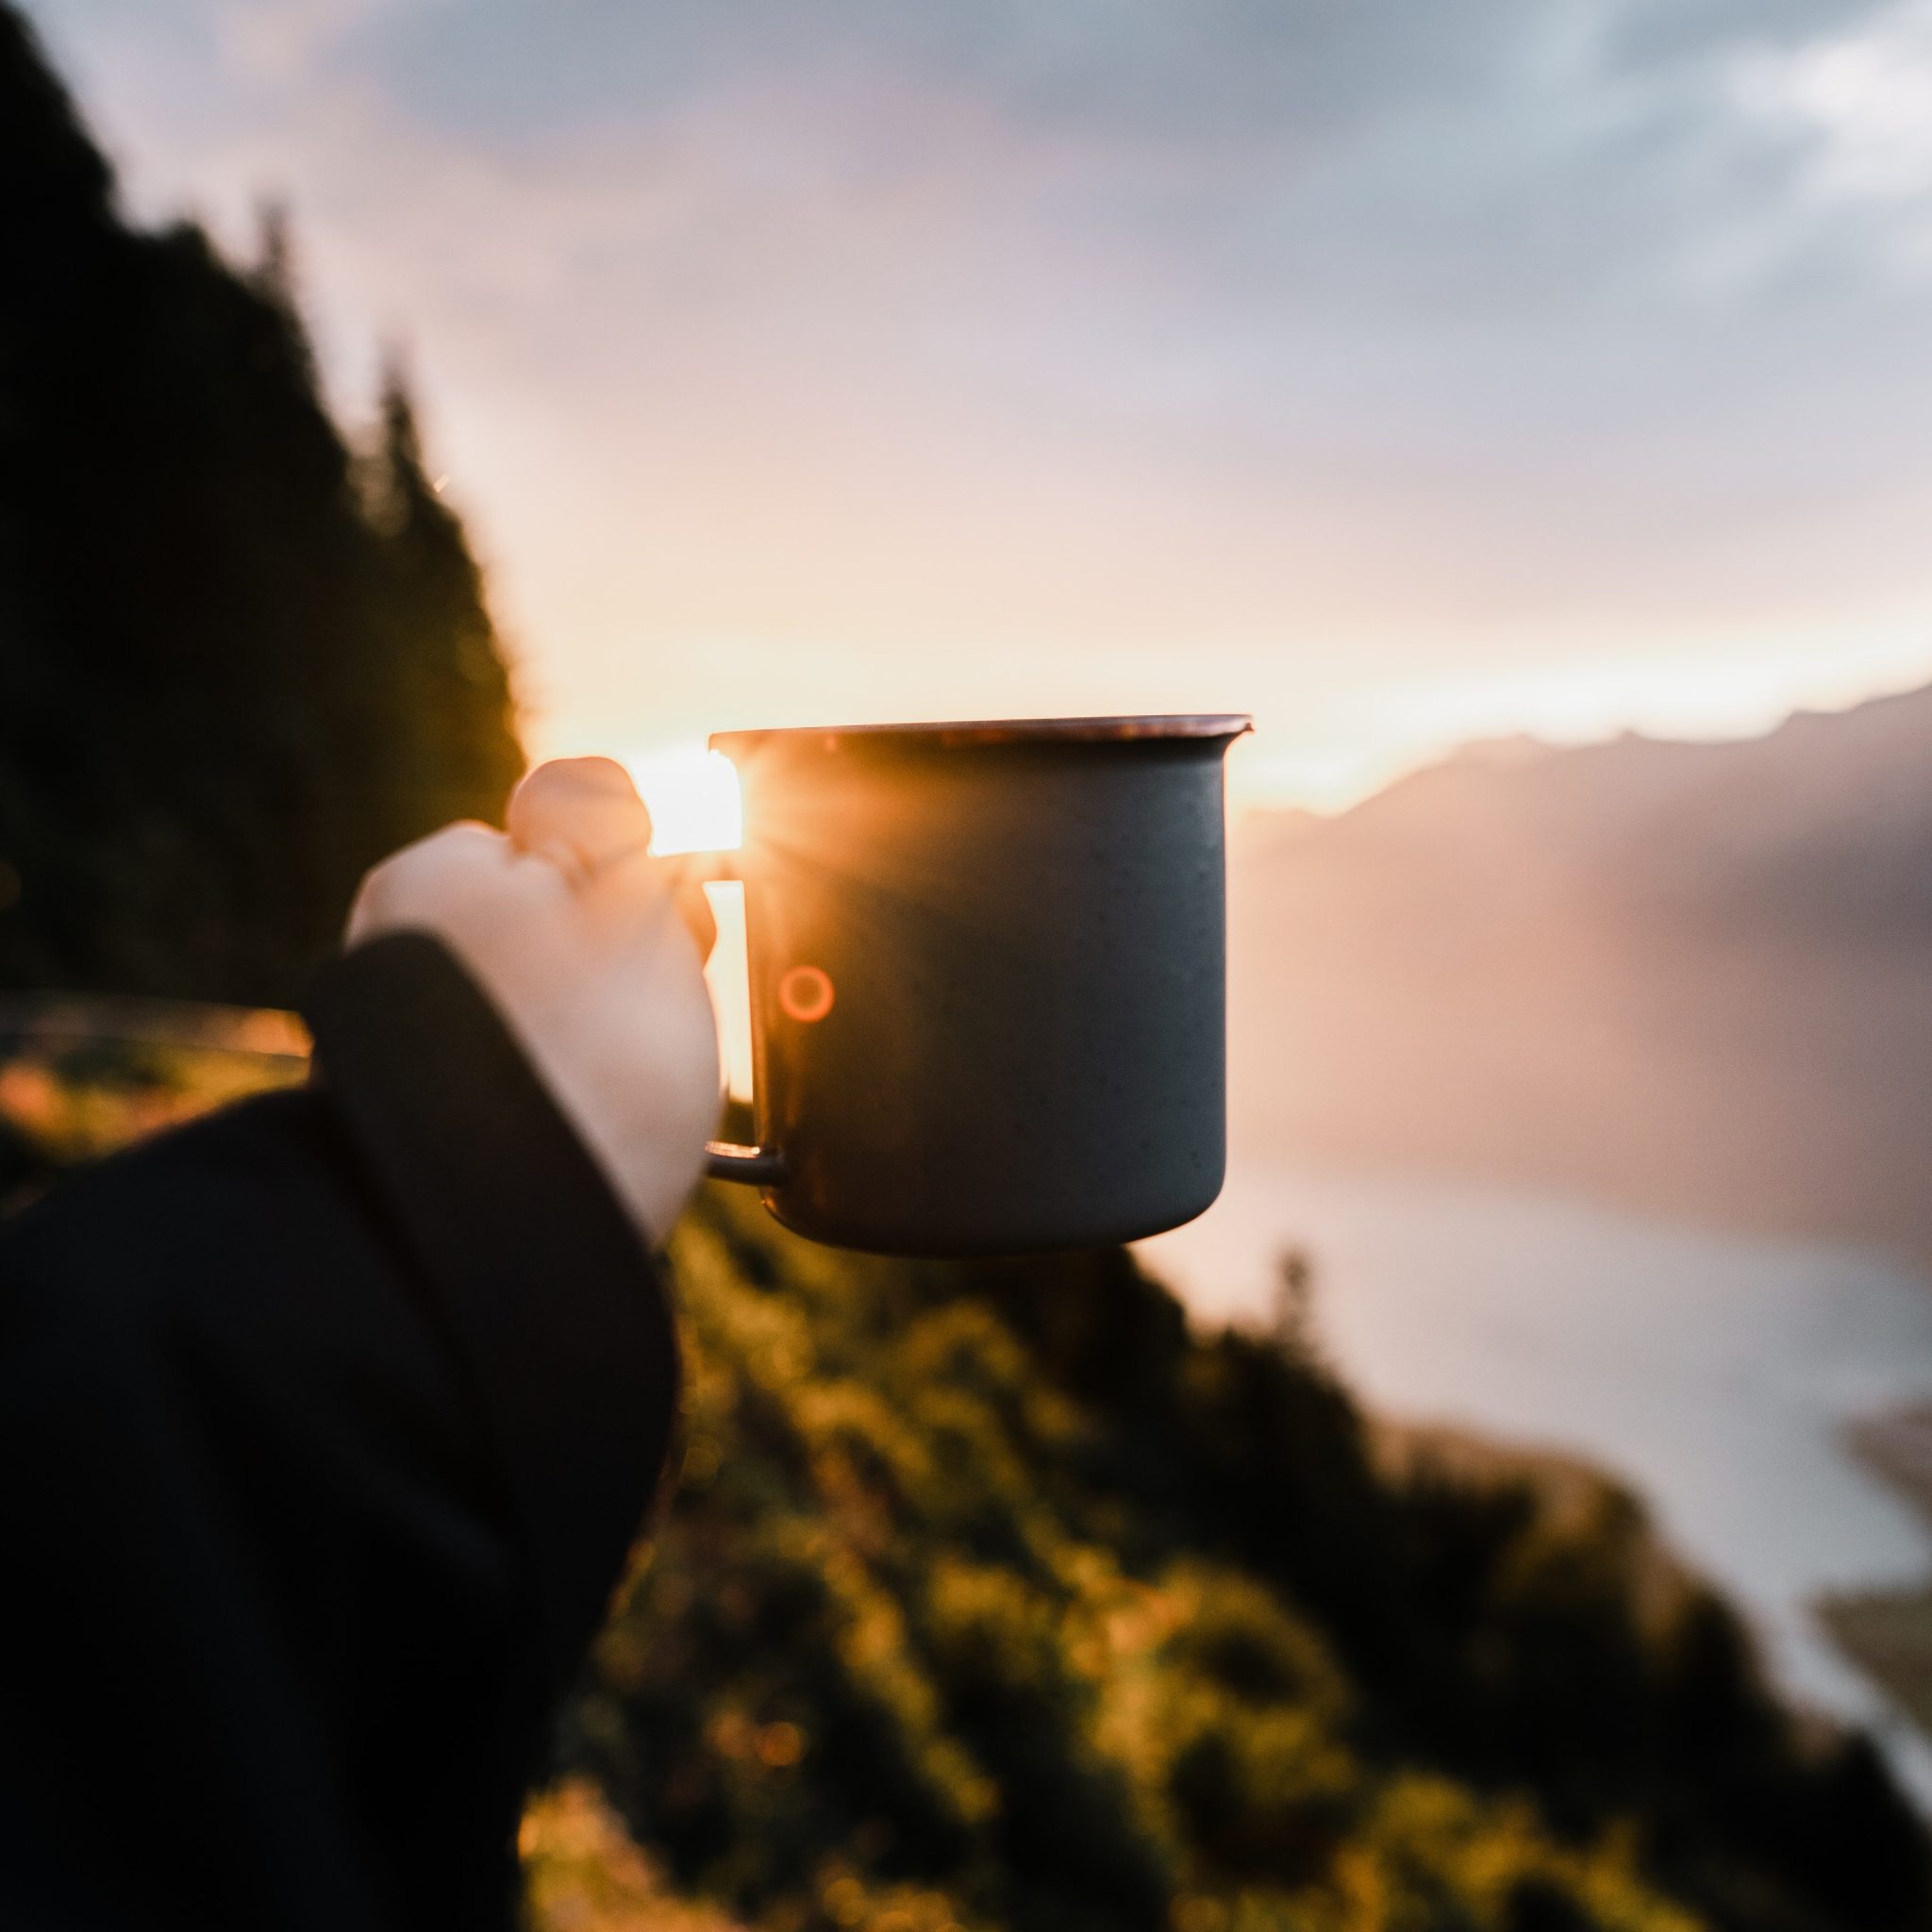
x: 1862, y: 100
x: 1310, y: 342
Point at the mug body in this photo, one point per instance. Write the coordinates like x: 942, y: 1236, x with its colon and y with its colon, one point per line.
x: 987, y: 978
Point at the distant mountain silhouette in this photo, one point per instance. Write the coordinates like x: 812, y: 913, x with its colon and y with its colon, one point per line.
x: 1696, y: 978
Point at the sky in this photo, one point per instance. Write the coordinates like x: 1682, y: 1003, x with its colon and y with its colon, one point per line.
x: 1402, y: 374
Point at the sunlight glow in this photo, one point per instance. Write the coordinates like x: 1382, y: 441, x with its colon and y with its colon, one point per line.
x: 694, y: 798
x: 727, y: 972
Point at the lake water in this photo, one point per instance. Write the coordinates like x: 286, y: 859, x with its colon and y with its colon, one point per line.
x: 1712, y: 1372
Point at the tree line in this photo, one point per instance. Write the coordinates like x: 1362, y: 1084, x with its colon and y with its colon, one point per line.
x: 242, y: 653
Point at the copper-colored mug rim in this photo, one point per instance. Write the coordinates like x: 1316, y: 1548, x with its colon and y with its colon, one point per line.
x: 1207, y: 724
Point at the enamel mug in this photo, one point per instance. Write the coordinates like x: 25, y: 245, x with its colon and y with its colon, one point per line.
x: 988, y: 974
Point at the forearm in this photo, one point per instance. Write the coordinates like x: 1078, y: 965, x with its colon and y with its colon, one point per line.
x: 551, y: 1304
x: 326, y: 1423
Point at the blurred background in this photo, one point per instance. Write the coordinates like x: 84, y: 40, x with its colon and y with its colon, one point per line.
x: 1523, y: 411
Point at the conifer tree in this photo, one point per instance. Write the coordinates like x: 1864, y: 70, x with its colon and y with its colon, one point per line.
x: 231, y: 676
x: 446, y: 656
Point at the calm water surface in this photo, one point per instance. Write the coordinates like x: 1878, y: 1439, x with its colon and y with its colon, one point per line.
x: 1712, y: 1371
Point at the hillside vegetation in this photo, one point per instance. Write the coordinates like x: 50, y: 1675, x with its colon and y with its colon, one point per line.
x: 995, y: 1595
x: 998, y: 1597
x: 240, y: 655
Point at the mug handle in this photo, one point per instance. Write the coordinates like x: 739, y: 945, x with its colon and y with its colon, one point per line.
x: 728, y: 1160
x: 757, y: 1166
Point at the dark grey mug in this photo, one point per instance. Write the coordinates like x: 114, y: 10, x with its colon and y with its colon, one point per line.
x: 988, y: 971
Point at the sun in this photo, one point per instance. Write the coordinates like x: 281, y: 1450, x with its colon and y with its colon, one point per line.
x: 692, y: 794
x: 694, y: 804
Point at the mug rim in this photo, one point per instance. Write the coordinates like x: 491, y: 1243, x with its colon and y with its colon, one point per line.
x: 975, y: 732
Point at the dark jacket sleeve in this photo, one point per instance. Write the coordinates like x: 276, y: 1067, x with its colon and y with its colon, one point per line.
x: 324, y: 1426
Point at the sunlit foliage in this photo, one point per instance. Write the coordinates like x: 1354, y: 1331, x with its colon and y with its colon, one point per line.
x: 68, y: 1095
x: 994, y: 1597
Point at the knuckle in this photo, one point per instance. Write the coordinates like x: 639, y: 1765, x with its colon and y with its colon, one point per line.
x: 420, y: 877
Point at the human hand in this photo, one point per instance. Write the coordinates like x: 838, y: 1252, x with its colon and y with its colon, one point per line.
x: 581, y: 941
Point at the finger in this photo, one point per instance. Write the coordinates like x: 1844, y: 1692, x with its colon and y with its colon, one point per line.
x: 585, y: 807
x: 634, y: 894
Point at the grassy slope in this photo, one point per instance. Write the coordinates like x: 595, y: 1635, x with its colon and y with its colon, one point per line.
x: 997, y: 1597
x: 996, y: 1594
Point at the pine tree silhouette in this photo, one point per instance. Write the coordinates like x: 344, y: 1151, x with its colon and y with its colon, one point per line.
x: 237, y: 664
x: 446, y: 651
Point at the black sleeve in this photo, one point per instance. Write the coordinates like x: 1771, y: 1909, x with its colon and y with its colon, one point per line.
x: 324, y: 1426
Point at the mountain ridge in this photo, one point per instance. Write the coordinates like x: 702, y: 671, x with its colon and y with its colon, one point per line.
x: 1686, y: 976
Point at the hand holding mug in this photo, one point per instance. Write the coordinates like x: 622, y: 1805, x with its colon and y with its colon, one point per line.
x: 586, y: 945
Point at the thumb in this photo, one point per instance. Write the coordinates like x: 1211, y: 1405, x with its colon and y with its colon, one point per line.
x: 586, y: 811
